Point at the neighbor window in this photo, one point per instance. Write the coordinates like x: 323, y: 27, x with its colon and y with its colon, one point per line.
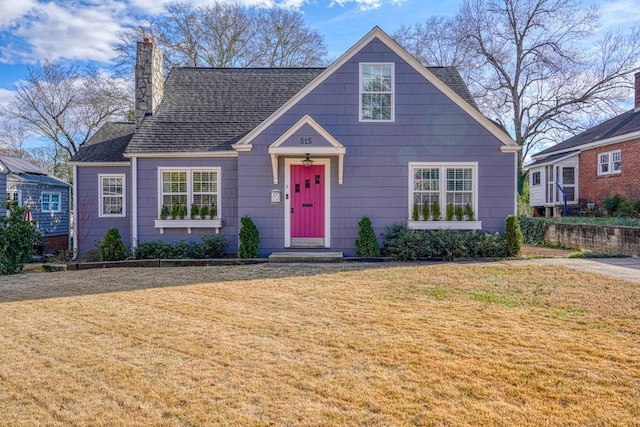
x: 376, y: 92
x: 50, y: 202
x: 444, y: 183
x: 15, y: 195
x: 609, y: 162
x: 535, y: 178
x: 200, y: 187
x: 112, y: 195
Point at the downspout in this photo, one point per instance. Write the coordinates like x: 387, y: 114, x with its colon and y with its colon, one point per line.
x: 74, y: 207
x: 134, y: 203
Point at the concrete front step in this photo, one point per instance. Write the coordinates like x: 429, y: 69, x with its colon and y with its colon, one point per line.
x: 306, y: 257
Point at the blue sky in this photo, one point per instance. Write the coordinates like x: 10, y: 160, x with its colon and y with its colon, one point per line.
x: 86, y: 30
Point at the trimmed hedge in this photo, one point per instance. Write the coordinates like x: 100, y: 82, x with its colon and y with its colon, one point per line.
x: 211, y: 247
x: 403, y: 244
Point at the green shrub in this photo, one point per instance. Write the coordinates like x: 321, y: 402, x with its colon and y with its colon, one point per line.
x: 112, y: 248
x: 249, y: 239
x: 214, y: 246
x: 415, y: 212
x: 211, y: 247
x: 367, y: 244
x: 193, y: 213
x: 164, y: 212
x: 182, y: 212
x: 512, y: 236
x: 214, y: 210
x: 403, y: 244
x: 469, y: 212
x: 435, y: 211
x: 425, y: 211
x: 175, y: 211
x: 450, y: 211
x: 459, y: 213
x: 17, y: 238
x: 533, y: 229
x: 203, y: 212
x: 611, y: 204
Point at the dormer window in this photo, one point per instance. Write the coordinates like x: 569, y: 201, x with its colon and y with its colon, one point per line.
x: 376, y: 92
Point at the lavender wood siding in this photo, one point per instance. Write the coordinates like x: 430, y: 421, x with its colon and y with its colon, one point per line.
x: 148, y: 210
x: 428, y: 127
x: 91, y: 227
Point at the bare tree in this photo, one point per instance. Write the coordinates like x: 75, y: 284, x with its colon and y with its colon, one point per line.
x: 225, y: 35
x: 534, y: 66
x: 66, y: 104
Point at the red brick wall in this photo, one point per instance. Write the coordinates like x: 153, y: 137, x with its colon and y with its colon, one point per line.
x: 594, y: 188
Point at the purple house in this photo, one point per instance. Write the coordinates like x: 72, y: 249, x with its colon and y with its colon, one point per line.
x: 305, y: 152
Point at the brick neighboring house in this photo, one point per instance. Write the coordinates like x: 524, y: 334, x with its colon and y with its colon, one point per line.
x: 599, y: 162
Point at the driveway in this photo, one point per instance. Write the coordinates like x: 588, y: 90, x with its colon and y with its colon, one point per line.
x: 621, y: 268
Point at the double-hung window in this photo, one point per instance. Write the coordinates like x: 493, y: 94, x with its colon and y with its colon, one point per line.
x: 15, y: 196
x: 454, y: 183
x: 112, y: 195
x: 609, y: 162
x: 193, y: 186
x: 50, y: 202
x: 376, y: 92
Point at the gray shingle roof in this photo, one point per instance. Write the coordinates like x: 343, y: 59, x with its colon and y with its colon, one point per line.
x: 39, y: 179
x: 208, y: 109
x: 451, y: 77
x: 108, y: 143
x: 18, y: 165
x: 624, y: 123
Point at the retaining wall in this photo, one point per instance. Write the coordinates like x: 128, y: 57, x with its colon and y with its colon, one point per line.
x: 595, y: 238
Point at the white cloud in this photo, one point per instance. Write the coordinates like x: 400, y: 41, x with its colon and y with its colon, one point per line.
x: 366, y: 4
x: 619, y: 13
x: 73, y: 31
x: 12, y: 10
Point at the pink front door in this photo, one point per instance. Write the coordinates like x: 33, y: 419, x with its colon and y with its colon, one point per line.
x: 307, y: 201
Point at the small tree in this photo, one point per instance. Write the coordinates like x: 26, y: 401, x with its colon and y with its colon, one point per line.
x: 214, y: 210
x: 469, y: 212
x: 450, y: 211
x: 193, y: 213
x: 17, y: 237
x: 203, y: 212
x: 415, y: 212
x: 426, y: 212
x: 513, y: 236
x: 435, y: 211
x: 249, y: 238
x: 459, y: 213
x: 366, y: 244
x: 164, y: 212
x: 182, y: 211
x: 112, y: 247
x: 175, y: 211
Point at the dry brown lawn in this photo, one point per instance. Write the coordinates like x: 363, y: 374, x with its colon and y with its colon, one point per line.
x: 437, y: 344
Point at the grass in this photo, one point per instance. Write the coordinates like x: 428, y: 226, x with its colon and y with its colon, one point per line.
x: 441, y: 344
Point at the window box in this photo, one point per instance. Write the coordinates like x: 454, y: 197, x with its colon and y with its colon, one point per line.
x: 189, y: 224
x: 444, y: 225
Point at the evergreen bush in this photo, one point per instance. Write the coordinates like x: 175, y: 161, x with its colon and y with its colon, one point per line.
x: 459, y: 213
x: 17, y: 238
x: 450, y: 212
x: 214, y: 210
x: 512, y: 236
x: 435, y: 211
x: 112, y: 248
x: 249, y: 238
x: 164, y: 212
x: 367, y: 244
x: 533, y: 229
x: 203, y: 212
x: 211, y: 247
x: 469, y: 212
x: 425, y: 211
x: 415, y: 212
x: 193, y: 213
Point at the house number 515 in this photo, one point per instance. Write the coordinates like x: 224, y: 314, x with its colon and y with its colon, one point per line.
x: 306, y: 141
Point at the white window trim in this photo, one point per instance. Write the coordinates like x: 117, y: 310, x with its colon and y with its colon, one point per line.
x: 11, y: 192
x: 189, y: 224
x: 101, y: 213
x: 443, y: 224
x: 51, y: 193
x: 611, y: 171
x: 393, y: 92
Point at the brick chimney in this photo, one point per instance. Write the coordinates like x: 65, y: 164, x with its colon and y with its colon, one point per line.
x: 149, y: 79
x: 637, y: 87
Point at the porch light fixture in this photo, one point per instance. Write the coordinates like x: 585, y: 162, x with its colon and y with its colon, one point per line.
x: 307, y: 161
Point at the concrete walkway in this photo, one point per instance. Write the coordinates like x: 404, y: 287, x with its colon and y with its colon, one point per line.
x: 621, y: 268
